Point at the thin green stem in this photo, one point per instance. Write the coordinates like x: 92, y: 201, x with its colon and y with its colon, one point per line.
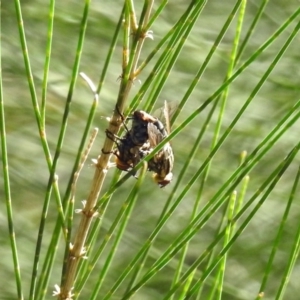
x: 35, y: 104
x: 294, y: 250
x: 47, y: 61
x: 168, y: 64
x: 277, y: 240
x: 269, y: 185
x: 57, y: 152
x: 156, y: 14
x: 110, y: 51
x: 222, y: 109
x: 173, y: 32
x: 126, y: 35
x: 7, y: 194
x: 227, y: 236
x: 251, y: 29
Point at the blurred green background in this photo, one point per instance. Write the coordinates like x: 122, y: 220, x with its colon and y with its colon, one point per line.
x: 29, y: 172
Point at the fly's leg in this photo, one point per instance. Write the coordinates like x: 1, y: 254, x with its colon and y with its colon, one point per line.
x: 112, y: 137
x: 122, y: 117
x: 116, y: 140
x: 114, y: 152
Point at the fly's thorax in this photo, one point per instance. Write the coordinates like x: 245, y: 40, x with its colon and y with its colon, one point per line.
x: 143, y: 125
x: 143, y: 116
x: 139, y: 129
x: 139, y: 135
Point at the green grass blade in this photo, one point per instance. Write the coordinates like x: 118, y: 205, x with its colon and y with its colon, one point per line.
x: 166, y: 68
x: 47, y: 60
x: 27, y: 64
x: 277, y: 239
x: 174, y: 34
x: 295, y: 249
x: 110, y: 52
x: 58, y: 148
x: 38, y: 116
x: 219, y: 122
x: 272, y: 180
x: 251, y: 29
x: 7, y: 192
x: 219, y: 284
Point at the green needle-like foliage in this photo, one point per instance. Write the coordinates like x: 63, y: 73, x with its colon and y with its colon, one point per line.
x: 77, y: 227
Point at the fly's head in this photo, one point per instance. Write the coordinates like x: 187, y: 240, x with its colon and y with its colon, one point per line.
x: 162, y: 181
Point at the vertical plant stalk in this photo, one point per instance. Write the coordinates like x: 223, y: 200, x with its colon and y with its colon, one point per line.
x: 7, y: 195
x: 44, y: 143
x: 76, y: 175
x: 55, y: 237
x: 77, y: 250
x: 47, y: 61
x: 53, y: 245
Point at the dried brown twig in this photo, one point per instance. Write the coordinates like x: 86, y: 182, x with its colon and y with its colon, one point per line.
x: 77, y: 250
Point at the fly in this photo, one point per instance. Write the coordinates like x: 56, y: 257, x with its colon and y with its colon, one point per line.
x: 144, y: 135
x: 146, y: 126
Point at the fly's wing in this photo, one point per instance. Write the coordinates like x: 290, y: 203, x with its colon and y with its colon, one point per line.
x: 167, y: 117
x: 155, y: 136
x: 162, y: 162
x: 165, y: 113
